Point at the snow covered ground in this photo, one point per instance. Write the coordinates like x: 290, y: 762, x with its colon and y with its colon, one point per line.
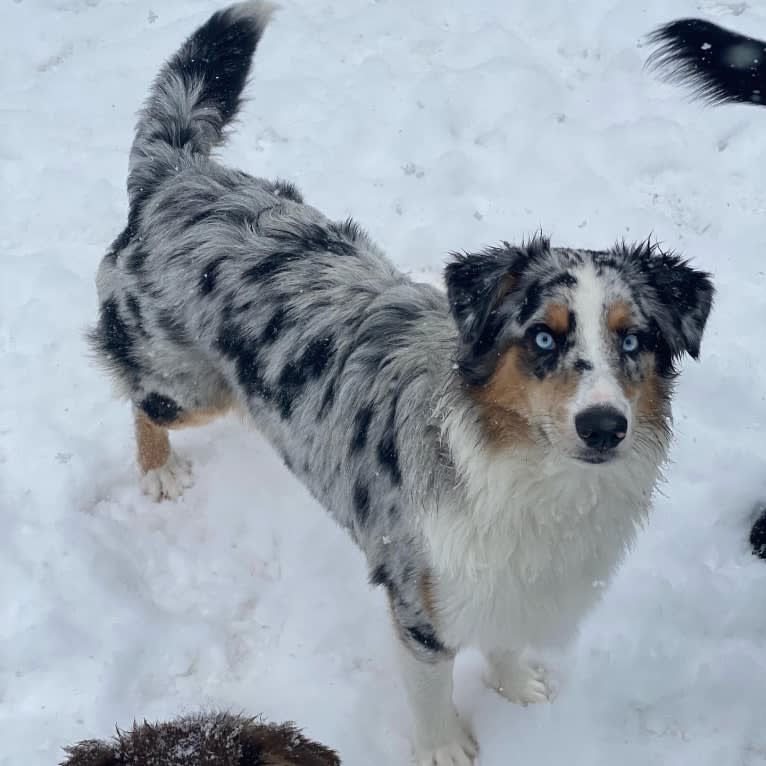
x: 439, y: 126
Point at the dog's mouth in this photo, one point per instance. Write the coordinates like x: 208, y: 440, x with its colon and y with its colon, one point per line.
x: 595, y: 457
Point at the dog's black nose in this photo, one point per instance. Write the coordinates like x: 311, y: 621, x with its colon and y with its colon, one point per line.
x: 601, y: 428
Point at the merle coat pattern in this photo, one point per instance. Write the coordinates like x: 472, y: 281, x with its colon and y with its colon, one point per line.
x: 440, y: 430
x: 204, y: 298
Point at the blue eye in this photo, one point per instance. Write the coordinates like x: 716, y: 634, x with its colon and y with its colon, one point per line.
x: 544, y: 341
x: 630, y: 344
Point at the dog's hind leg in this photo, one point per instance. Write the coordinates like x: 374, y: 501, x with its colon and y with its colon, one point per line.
x: 164, y: 474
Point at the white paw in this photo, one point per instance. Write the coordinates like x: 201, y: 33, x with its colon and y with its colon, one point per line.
x: 520, y: 682
x: 462, y: 752
x: 169, y: 480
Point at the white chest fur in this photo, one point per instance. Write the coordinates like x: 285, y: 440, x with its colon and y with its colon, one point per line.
x: 530, y: 542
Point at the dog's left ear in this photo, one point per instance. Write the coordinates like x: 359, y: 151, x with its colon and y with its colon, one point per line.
x: 685, y: 296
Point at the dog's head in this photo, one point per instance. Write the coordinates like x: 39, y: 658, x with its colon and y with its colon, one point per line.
x: 576, y: 350
x: 213, y: 739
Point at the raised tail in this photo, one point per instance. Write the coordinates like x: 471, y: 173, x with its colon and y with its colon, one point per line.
x: 195, y: 96
x: 719, y: 66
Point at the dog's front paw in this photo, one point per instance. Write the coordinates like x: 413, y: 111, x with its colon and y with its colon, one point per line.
x: 459, y: 753
x: 517, y: 680
x: 169, y: 480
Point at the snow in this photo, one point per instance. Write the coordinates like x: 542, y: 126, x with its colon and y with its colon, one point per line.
x: 439, y: 126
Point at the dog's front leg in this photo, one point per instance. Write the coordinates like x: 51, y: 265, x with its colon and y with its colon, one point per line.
x: 517, y: 678
x: 164, y: 474
x: 440, y: 737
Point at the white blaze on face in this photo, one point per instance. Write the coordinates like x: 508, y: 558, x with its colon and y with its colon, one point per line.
x: 598, y: 386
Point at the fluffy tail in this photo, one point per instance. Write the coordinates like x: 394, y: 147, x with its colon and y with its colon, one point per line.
x: 195, y: 96
x: 720, y: 66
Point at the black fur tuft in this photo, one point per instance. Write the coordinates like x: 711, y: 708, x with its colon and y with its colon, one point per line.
x: 719, y: 66
x: 758, y: 535
x: 426, y: 637
x: 361, y: 502
x: 209, y: 276
x: 114, y: 340
x: 361, y: 429
x: 235, y: 344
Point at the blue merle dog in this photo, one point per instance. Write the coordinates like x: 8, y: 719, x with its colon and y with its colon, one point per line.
x: 492, y: 450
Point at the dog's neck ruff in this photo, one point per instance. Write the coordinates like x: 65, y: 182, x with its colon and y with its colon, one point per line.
x: 534, y: 511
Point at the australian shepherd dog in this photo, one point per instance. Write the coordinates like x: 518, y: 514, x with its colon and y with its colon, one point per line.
x: 492, y: 449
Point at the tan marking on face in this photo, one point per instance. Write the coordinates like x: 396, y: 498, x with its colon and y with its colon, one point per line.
x: 514, y: 400
x: 152, y: 443
x: 619, y: 317
x: 653, y: 395
x: 630, y: 388
x: 557, y: 318
x: 649, y: 389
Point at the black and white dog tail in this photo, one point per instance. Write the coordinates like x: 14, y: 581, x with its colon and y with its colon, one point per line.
x: 720, y: 66
x: 195, y: 96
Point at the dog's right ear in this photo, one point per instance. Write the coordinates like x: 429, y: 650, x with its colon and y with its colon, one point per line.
x: 478, y: 282
x: 478, y: 285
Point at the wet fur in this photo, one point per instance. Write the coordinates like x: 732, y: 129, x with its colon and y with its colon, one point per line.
x: 426, y: 423
x: 213, y: 740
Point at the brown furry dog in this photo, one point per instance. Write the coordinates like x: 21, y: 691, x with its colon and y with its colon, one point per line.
x: 204, y: 740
